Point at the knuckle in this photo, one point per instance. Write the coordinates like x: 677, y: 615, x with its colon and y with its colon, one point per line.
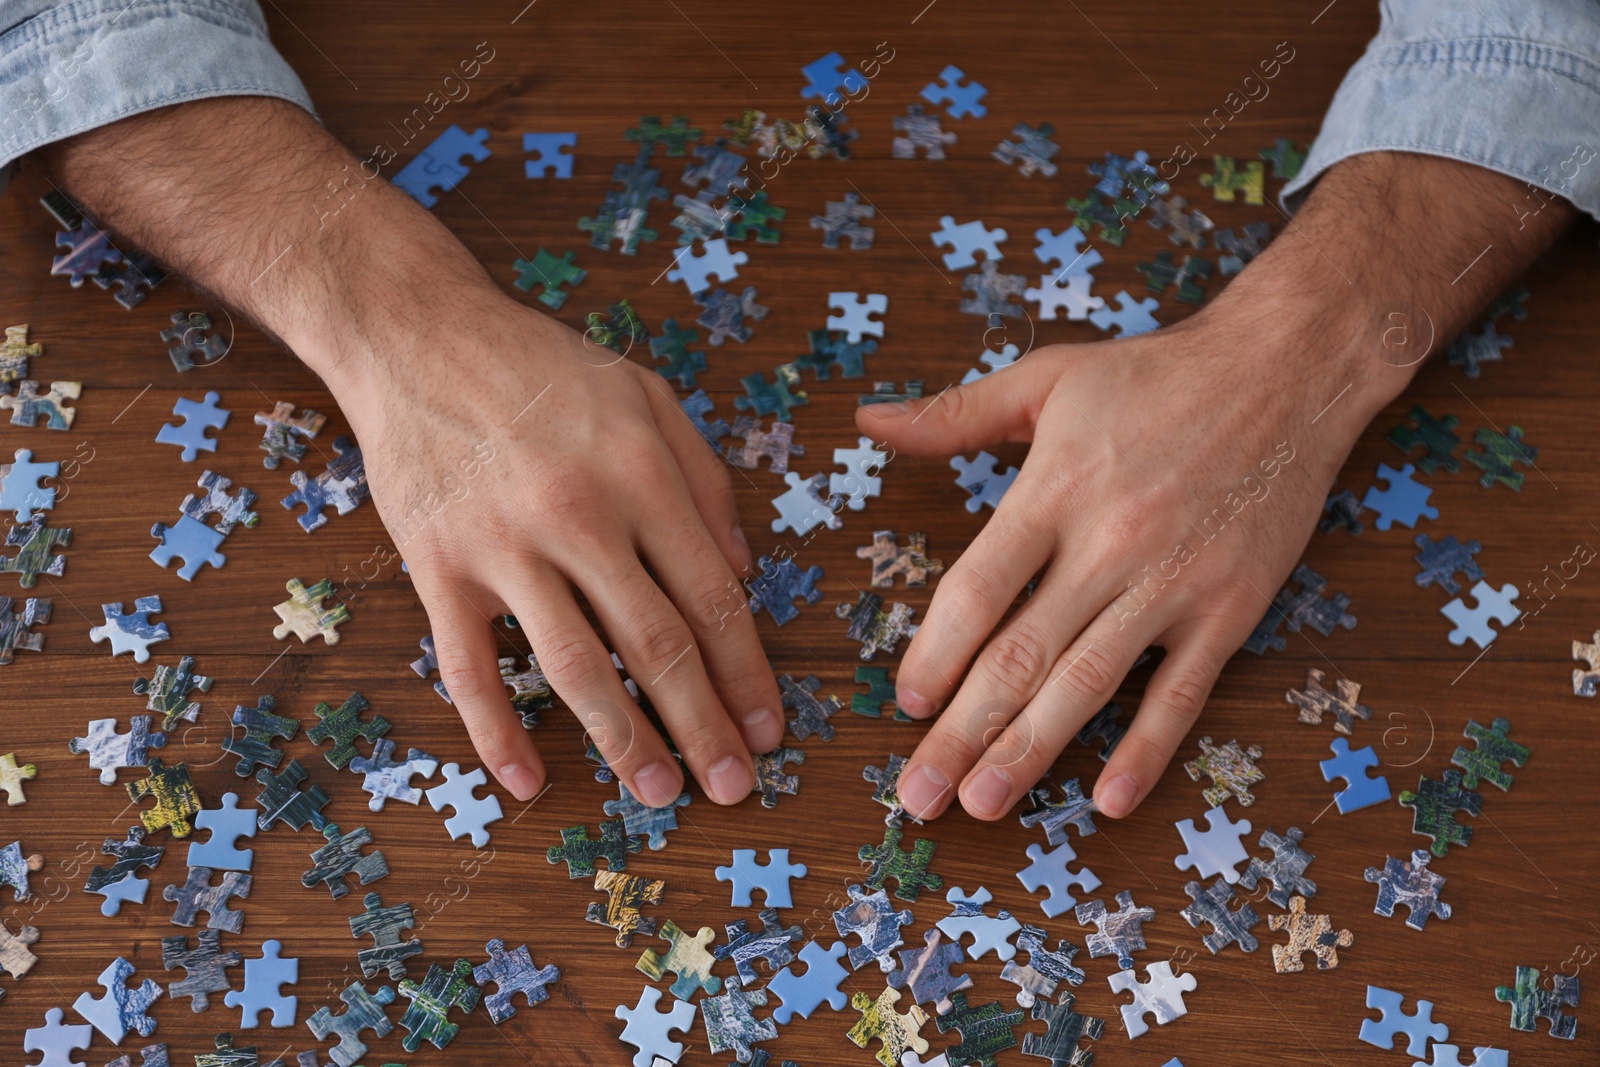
x: 572, y: 661
x: 464, y: 675
x: 566, y: 494
x: 1183, y: 695
x: 976, y: 595
x: 1017, y: 657
x: 658, y: 641
x: 1090, y: 672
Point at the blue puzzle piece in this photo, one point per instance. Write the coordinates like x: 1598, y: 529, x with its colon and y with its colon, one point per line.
x: 771, y: 878
x: 1131, y: 316
x: 120, y: 1009
x: 779, y: 584
x: 20, y: 490
x: 980, y: 477
x: 198, y: 417
x: 262, y: 979
x: 697, y: 406
x: 131, y: 888
x: 828, y: 77
x: 550, y: 161
x: 439, y: 166
x: 227, y: 824
x: 962, y: 99
x: 132, y: 631
x: 1419, y: 1028
x: 804, y: 994
x: 191, y: 539
x: 1360, y: 791
x: 1404, y: 501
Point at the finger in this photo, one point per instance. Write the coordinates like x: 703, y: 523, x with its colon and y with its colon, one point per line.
x: 687, y: 566
x: 1172, y: 702
x: 997, y: 407
x: 463, y: 641
x: 705, y: 475
x: 580, y: 670
x: 1010, y: 670
x: 972, y: 597
x: 661, y: 654
x: 1081, y: 681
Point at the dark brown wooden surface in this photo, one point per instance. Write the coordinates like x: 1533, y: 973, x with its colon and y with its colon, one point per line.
x: 1110, y: 77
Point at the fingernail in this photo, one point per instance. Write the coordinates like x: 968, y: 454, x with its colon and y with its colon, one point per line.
x: 761, y: 719
x: 1115, y: 798
x: 743, y: 543
x: 729, y: 780
x: 988, y: 793
x: 518, y: 779
x: 923, y: 787
x: 894, y: 407
x: 912, y: 702
x: 656, y: 785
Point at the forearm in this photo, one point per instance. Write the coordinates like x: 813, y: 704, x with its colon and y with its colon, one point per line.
x: 1391, y: 257
x: 251, y: 199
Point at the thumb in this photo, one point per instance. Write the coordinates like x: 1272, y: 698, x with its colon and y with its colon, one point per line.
x: 1001, y: 406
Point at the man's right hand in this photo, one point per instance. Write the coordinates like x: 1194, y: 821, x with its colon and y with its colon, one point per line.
x: 515, y: 465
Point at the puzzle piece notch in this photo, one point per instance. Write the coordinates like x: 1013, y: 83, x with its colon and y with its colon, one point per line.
x: 876, y: 630
x: 282, y: 800
x: 918, y: 129
x: 967, y: 239
x: 714, y: 260
x: 1105, y: 726
x: 1118, y: 933
x: 1440, y: 560
x: 1491, y: 751
x: 191, y: 540
x: 57, y: 1040
x: 779, y: 584
x: 687, y: 957
x: 897, y: 1032
x: 580, y: 852
x: 1227, y: 178
x: 197, y: 894
x: 176, y: 801
x: 731, y: 1024
x: 981, y: 478
x: 1419, y: 1027
x: 15, y: 959
x: 1531, y: 1000
x: 803, y: 994
x: 198, y: 417
x: 15, y: 351
x: 35, y: 543
x: 121, y: 1007
x: 549, y: 161
x: 641, y: 820
x: 1049, y: 872
x: 442, y: 164
x: 860, y: 480
x: 1433, y: 806
x: 28, y: 405
x: 472, y: 814
x: 1403, y: 500
x: 342, y: 484
x: 426, y: 1018
x: 925, y: 972
x: 1232, y: 771
x: 281, y: 430
x: 845, y: 220
x: 260, y: 725
x: 1045, y: 970
x: 773, y: 943
x: 909, y: 869
x: 853, y: 313
x: 108, y: 750
x: 1228, y: 925
x: 264, y: 979
x: 1160, y: 995
x: 1054, y: 816
x: 961, y: 101
x: 992, y: 292
x: 304, y: 614
x: 986, y: 1030
x: 872, y: 918
x: 1053, y: 295
x: 363, y: 1011
x: 723, y: 314
x: 388, y: 779
x: 1131, y: 317
x: 1307, y: 933
x: 771, y: 779
x: 989, y: 933
x: 227, y: 824
x: 341, y: 857
x: 342, y: 725
x: 649, y: 1030
x: 205, y: 966
x: 1065, y: 1027
x: 1032, y: 150
x: 1435, y: 434
x: 1490, y: 605
x: 384, y: 923
x: 1411, y: 884
x: 131, y: 631
x: 889, y: 559
x: 1360, y: 791
x: 22, y: 489
x: 1285, y: 870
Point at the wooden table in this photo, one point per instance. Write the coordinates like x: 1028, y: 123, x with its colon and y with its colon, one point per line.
x: 1110, y: 77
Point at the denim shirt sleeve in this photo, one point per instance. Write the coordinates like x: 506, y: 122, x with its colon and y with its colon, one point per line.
x: 67, y: 66
x: 1511, y: 85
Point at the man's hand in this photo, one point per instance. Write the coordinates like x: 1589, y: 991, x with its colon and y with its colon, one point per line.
x: 512, y: 463
x: 1174, y: 478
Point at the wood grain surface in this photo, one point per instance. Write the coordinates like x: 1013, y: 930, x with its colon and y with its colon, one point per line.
x: 1109, y: 77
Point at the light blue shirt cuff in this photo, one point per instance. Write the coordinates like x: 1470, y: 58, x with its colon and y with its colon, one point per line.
x: 1513, y: 87
x: 70, y: 67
